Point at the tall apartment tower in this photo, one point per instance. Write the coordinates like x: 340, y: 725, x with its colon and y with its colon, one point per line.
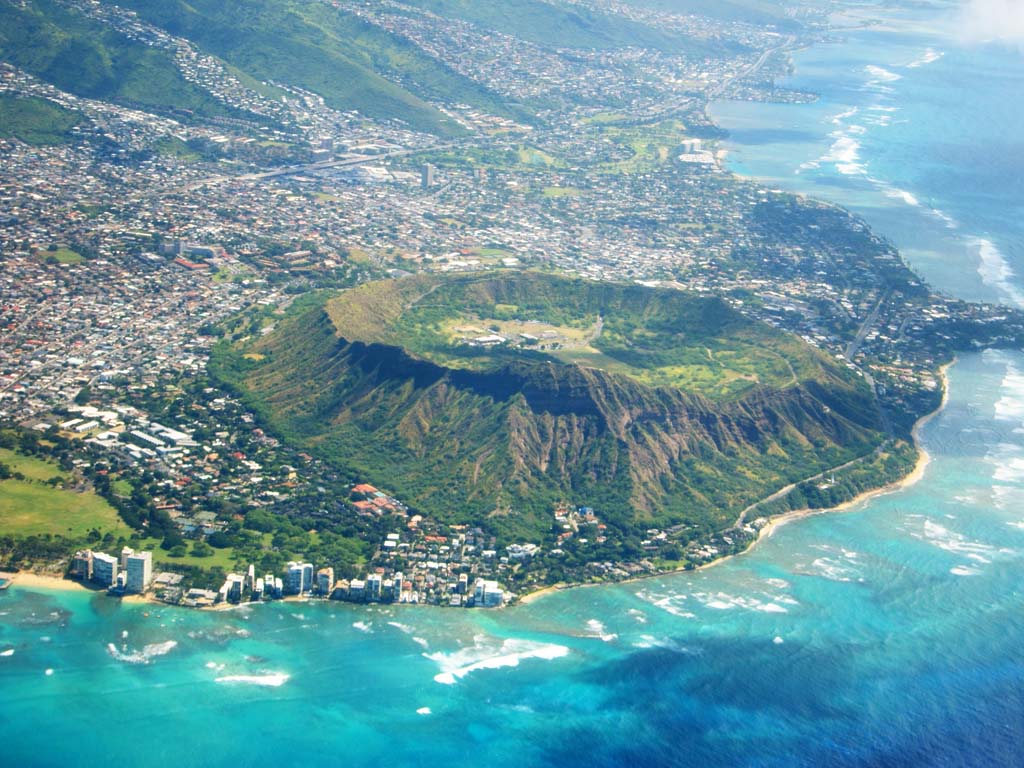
x: 139, y: 571
x: 427, y: 176
x: 104, y: 569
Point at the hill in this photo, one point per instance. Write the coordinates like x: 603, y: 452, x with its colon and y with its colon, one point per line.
x: 81, y: 56
x: 565, y: 25
x: 36, y: 121
x: 657, y: 407
x: 352, y: 64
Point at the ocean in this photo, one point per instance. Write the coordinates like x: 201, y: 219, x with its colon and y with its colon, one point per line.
x: 891, y: 634
x: 917, y: 130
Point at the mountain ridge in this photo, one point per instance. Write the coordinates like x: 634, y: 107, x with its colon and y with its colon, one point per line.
x: 521, y: 435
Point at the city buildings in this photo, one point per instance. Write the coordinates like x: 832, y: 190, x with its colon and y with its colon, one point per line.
x: 300, y: 578
x: 325, y: 581
x: 427, y: 176
x: 139, y: 570
x: 487, y: 594
x: 104, y: 569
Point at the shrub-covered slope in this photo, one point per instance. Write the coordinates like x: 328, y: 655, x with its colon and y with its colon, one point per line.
x: 511, y: 433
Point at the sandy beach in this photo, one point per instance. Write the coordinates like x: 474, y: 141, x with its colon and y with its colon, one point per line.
x: 28, y: 580
x: 529, y: 598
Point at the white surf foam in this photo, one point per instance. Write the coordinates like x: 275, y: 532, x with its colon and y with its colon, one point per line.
x: 639, y: 615
x: 881, y: 74
x: 950, y: 541
x: 362, y: 626
x: 844, y: 154
x: 930, y: 56
x: 667, y: 603
x: 597, y: 629
x: 964, y: 570
x: 147, y: 654
x: 902, y: 194
x: 996, y: 271
x: 1009, y: 469
x: 650, y: 641
x: 832, y: 570
x: 841, y: 117
x: 268, y: 679
x: 722, y: 601
x: 486, y: 654
x: 1010, y: 405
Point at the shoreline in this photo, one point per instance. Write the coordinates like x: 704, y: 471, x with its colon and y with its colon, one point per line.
x: 48, y: 582
x: 51, y: 582
x: 911, y: 478
x: 908, y: 480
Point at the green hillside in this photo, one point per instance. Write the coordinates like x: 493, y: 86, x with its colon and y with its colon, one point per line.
x: 562, y: 25
x: 349, y: 62
x: 497, y: 436
x: 81, y: 56
x: 36, y: 121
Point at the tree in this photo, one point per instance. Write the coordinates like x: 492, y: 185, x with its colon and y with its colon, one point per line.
x: 220, y: 540
x: 171, y: 540
x: 202, y: 549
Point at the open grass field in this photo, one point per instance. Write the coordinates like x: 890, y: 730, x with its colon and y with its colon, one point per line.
x: 30, y: 508
x: 36, y: 121
x: 225, y: 558
x: 31, y: 467
x: 650, y: 145
x: 62, y: 255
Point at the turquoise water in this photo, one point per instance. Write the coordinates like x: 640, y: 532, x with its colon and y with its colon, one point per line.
x: 888, y: 635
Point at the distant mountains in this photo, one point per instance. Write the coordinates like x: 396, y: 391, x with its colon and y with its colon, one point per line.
x: 383, y: 381
x: 319, y: 47
x: 86, y: 58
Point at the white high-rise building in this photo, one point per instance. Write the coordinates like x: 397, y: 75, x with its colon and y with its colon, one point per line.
x: 487, y: 594
x: 374, y: 585
x: 104, y: 569
x: 139, y: 569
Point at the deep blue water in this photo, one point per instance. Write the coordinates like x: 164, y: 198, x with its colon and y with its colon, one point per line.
x: 888, y: 635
